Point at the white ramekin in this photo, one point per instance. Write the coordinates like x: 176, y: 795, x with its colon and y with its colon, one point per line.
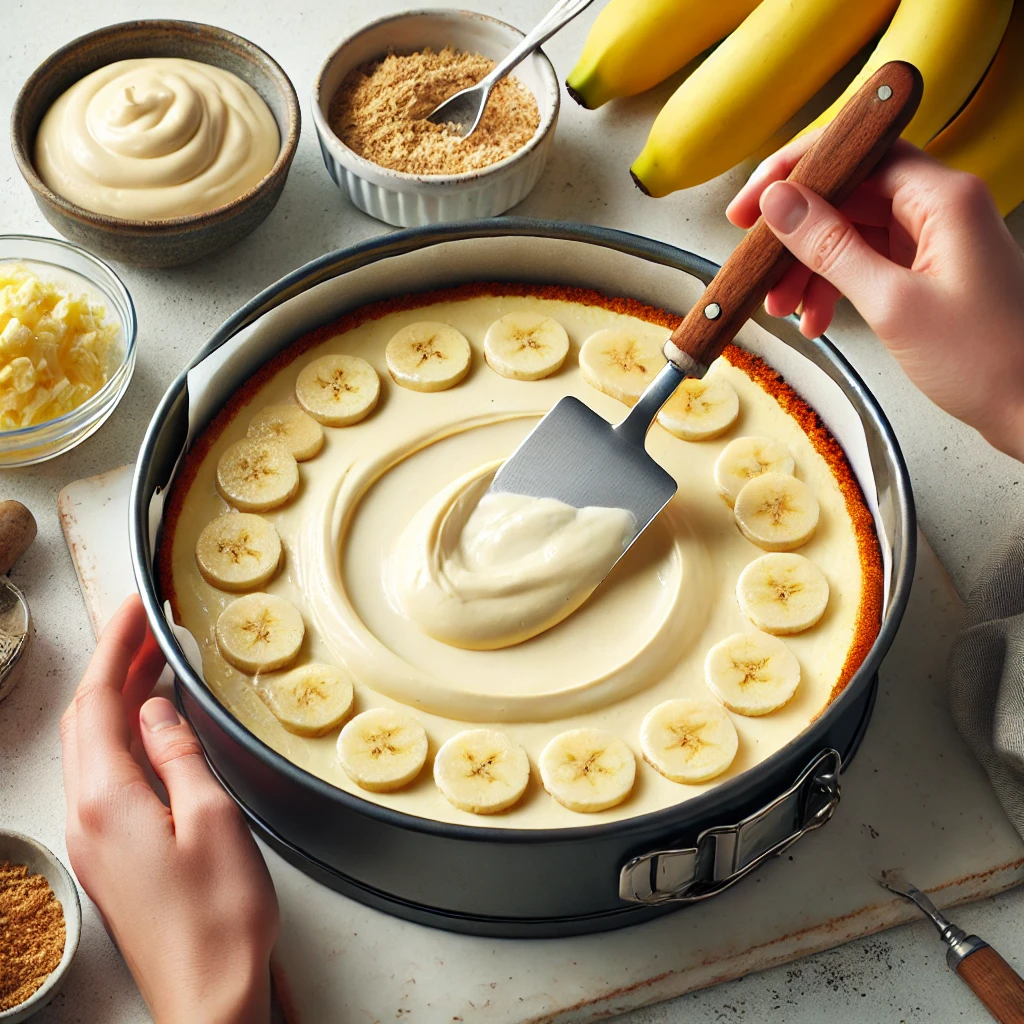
x: 409, y: 200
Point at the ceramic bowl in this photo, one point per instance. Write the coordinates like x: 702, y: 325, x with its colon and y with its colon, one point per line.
x: 26, y: 446
x: 156, y: 243
x: 409, y: 200
x: 21, y: 849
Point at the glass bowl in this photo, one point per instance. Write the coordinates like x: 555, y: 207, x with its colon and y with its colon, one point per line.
x: 25, y: 446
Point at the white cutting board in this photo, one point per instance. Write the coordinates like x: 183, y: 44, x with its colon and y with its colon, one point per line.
x: 914, y: 798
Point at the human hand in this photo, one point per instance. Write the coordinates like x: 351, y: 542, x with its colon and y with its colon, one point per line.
x: 183, y: 890
x: 922, y: 253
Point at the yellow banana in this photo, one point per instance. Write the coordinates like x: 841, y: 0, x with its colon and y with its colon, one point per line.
x: 987, y: 137
x: 777, y: 59
x: 632, y: 46
x: 951, y: 42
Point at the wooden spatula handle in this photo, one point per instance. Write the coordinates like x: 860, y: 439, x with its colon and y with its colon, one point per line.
x: 847, y: 151
x: 995, y: 983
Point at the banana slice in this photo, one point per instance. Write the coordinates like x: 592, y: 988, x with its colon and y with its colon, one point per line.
x: 428, y: 356
x: 620, y: 363
x: 382, y: 749
x: 260, y: 633
x: 688, y: 741
x: 338, y: 390
x: 776, y: 512
x: 256, y: 475
x: 746, y: 457
x: 752, y: 674
x: 700, y: 409
x: 525, y: 346
x: 238, y: 551
x: 310, y: 700
x: 481, y: 771
x: 587, y: 769
x: 288, y: 424
x: 782, y: 593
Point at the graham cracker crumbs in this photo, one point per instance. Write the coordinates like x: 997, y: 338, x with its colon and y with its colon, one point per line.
x: 379, y: 112
x: 32, y: 933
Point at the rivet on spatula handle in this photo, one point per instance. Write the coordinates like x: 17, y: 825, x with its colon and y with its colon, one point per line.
x: 17, y: 531
x: 848, y: 150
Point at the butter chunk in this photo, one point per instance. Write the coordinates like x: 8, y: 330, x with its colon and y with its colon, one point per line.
x: 57, y: 348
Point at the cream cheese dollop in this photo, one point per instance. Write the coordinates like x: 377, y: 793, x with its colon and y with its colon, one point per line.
x: 155, y: 138
x: 482, y: 570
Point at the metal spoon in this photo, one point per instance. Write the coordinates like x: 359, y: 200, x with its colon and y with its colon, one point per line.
x: 466, y: 107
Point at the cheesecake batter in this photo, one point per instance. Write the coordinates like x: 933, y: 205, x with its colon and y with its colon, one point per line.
x: 639, y: 640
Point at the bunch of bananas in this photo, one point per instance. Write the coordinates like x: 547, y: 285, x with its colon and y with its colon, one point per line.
x: 774, y: 55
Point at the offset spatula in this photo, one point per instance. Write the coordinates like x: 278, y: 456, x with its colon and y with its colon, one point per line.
x: 575, y: 455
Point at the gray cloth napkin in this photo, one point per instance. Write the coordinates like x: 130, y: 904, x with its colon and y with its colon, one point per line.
x: 986, y: 676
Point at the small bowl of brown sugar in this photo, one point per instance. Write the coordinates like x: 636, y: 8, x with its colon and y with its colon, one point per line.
x: 40, y: 925
x: 371, y: 99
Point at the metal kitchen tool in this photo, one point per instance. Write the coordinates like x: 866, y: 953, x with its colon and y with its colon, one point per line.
x: 466, y: 107
x: 17, y: 531
x: 575, y: 455
x: 973, y: 960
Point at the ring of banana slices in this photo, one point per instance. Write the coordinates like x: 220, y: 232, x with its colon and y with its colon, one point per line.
x: 483, y: 771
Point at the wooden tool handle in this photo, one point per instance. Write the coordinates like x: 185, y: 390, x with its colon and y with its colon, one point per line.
x: 847, y: 151
x: 17, y: 531
x: 995, y: 983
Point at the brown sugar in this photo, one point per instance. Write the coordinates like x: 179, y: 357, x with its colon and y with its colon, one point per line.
x: 32, y: 933
x: 379, y: 112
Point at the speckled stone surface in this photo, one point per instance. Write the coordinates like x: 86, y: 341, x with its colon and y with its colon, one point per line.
x: 965, y: 491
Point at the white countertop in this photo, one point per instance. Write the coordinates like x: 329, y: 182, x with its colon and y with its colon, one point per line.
x: 966, y: 492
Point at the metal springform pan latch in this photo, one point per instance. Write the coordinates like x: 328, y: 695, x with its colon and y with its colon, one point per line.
x: 723, y: 855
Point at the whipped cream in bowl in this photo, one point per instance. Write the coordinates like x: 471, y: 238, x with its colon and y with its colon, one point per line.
x: 156, y: 142
x: 156, y: 138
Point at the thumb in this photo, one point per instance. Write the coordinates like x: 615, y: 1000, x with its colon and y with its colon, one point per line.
x: 825, y: 241
x: 177, y: 758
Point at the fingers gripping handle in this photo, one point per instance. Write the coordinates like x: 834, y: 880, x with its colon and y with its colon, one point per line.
x: 845, y: 154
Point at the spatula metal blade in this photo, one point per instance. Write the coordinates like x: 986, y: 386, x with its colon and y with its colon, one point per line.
x: 577, y: 456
